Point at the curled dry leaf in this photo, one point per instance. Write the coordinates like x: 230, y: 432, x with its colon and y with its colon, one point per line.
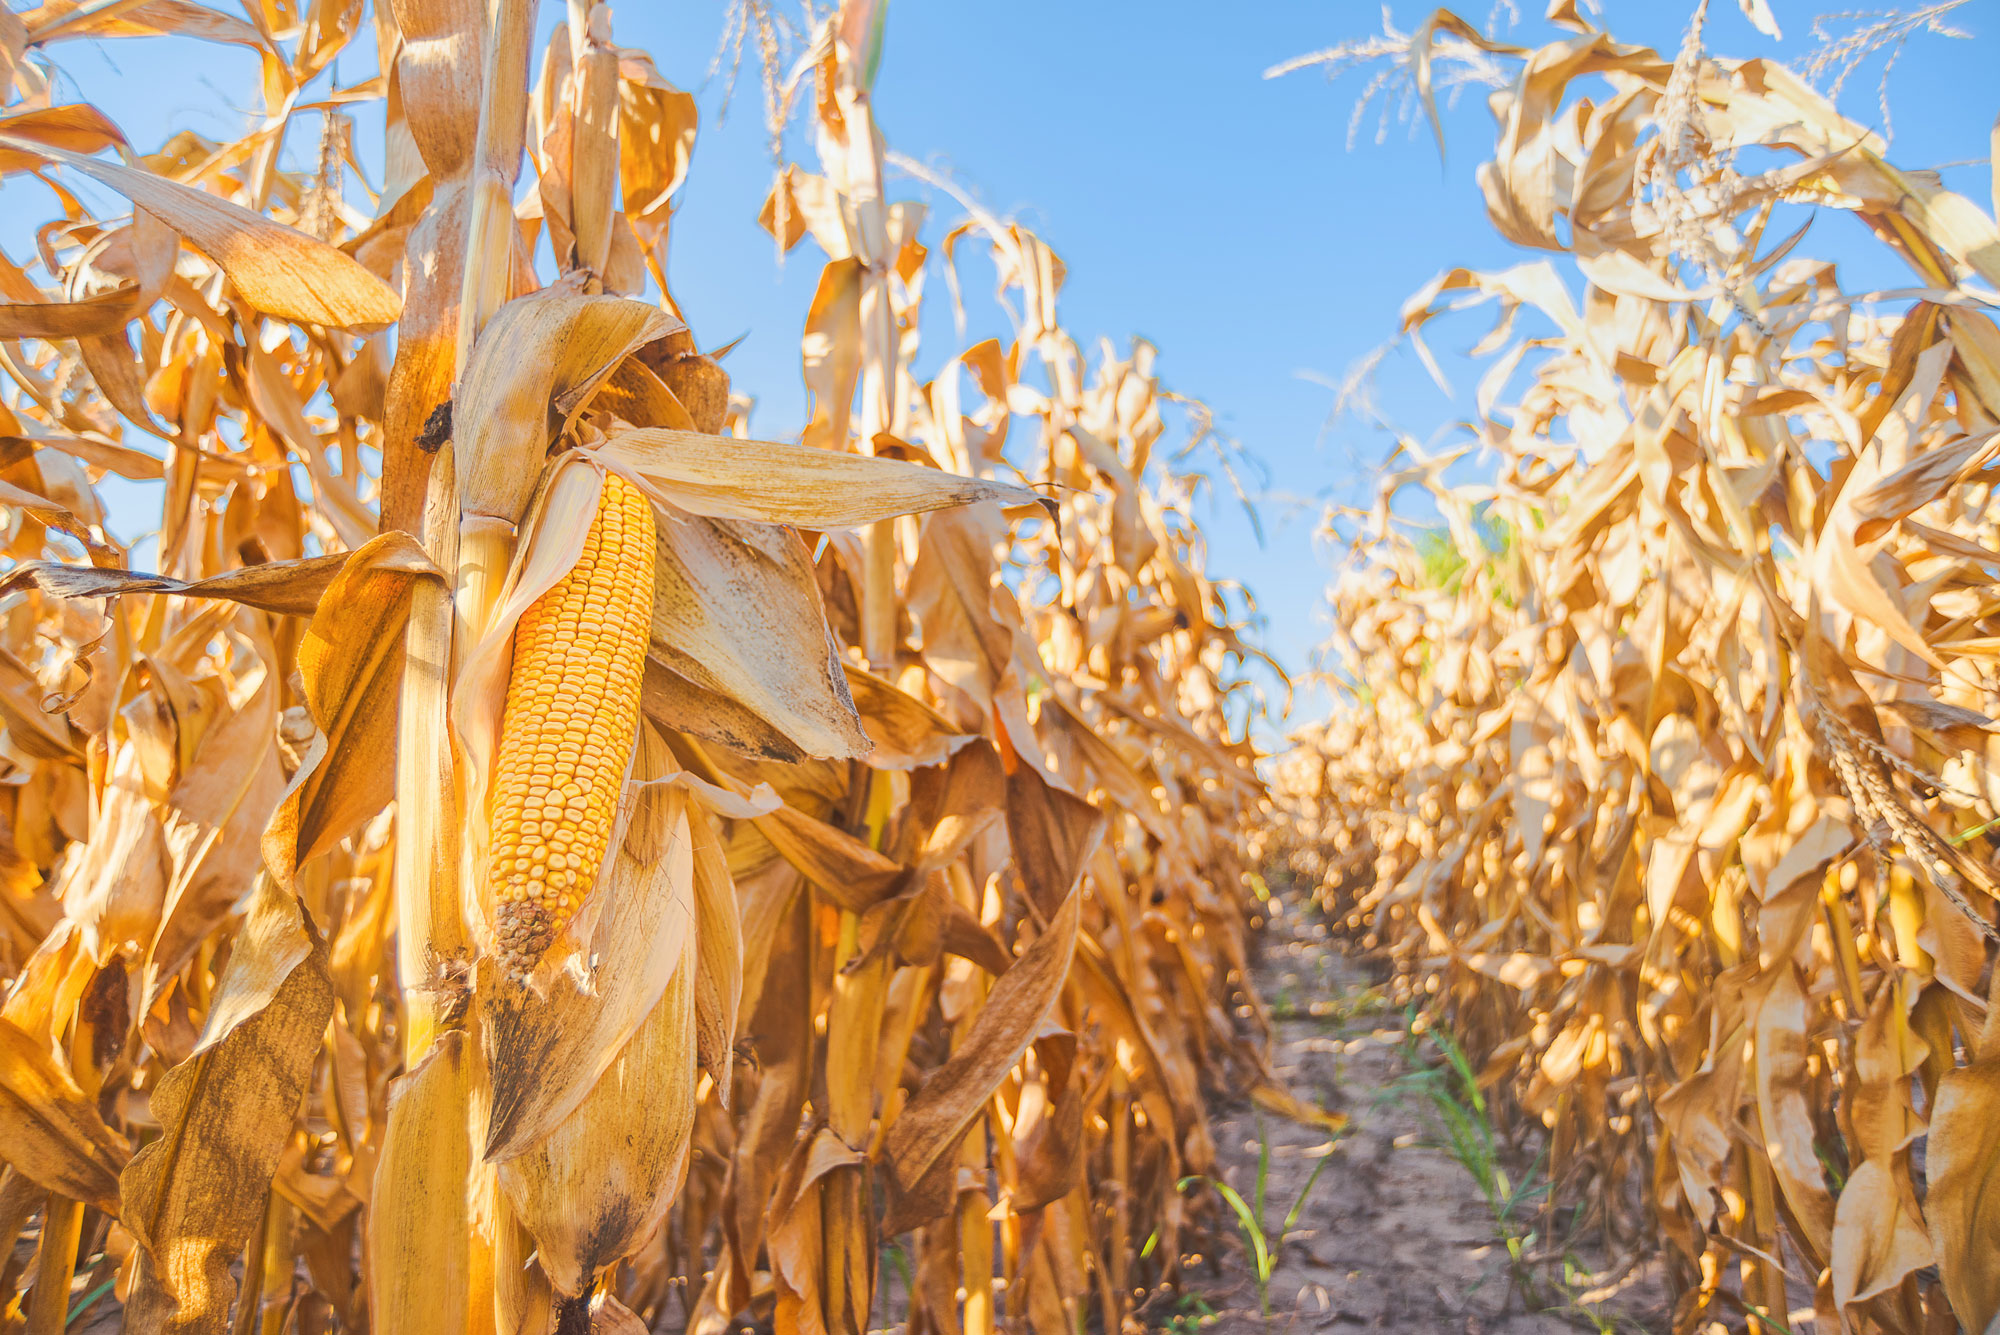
x: 289, y: 588
x: 925, y: 1178
x: 54, y: 1134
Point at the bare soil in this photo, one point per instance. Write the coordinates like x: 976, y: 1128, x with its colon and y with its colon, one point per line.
x: 1395, y: 1234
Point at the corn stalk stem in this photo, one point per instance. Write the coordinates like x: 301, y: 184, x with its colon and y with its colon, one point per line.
x: 273, y: 1260
x: 430, y: 924
x: 62, y: 1228
x: 430, y: 929
x: 861, y: 181
x: 496, y: 159
x: 486, y: 548
x: 250, y: 1296
x: 854, y: 1018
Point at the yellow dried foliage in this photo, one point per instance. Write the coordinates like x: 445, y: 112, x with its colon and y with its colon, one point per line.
x: 918, y: 906
x: 1662, y: 768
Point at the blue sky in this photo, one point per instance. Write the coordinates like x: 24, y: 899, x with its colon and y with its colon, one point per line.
x: 1216, y: 213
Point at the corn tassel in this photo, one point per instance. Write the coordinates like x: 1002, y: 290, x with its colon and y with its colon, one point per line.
x: 567, y: 729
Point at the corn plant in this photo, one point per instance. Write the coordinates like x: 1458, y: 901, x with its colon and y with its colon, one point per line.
x: 533, y: 855
x: 1675, y: 805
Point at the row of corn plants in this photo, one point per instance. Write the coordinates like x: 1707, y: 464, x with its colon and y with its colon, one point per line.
x: 532, y: 857
x: 1662, y: 760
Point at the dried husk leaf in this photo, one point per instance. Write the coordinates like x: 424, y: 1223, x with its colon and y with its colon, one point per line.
x: 545, y: 1052
x: 736, y: 611
x: 725, y: 477
x: 597, y: 1184
x: 536, y: 365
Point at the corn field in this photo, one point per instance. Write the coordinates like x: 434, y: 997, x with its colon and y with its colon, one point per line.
x: 532, y: 857
x: 1661, y: 768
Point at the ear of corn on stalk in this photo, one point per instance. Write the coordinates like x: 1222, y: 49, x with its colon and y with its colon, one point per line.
x: 566, y: 732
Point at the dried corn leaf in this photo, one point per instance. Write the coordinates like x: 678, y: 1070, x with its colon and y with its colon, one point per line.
x: 192, y: 1197
x: 279, y: 270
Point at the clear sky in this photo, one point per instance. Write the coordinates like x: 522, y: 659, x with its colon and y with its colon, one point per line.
x: 1216, y: 213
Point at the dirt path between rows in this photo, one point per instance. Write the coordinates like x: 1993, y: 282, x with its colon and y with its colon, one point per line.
x: 1395, y: 1234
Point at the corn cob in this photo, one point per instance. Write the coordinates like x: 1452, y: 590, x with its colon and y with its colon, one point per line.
x: 567, y: 729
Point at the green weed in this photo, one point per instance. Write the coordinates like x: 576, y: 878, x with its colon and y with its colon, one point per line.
x: 1353, y: 1005
x: 1191, y: 1313
x: 1264, y: 1243
x: 1462, y: 1127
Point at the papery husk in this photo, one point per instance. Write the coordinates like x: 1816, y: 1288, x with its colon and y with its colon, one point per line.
x: 737, y: 611
x: 597, y: 1185
x: 533, y: 370
x: 724, y: 477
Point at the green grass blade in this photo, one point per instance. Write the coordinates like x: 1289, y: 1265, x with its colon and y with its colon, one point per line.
x: 1299, y: 1205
